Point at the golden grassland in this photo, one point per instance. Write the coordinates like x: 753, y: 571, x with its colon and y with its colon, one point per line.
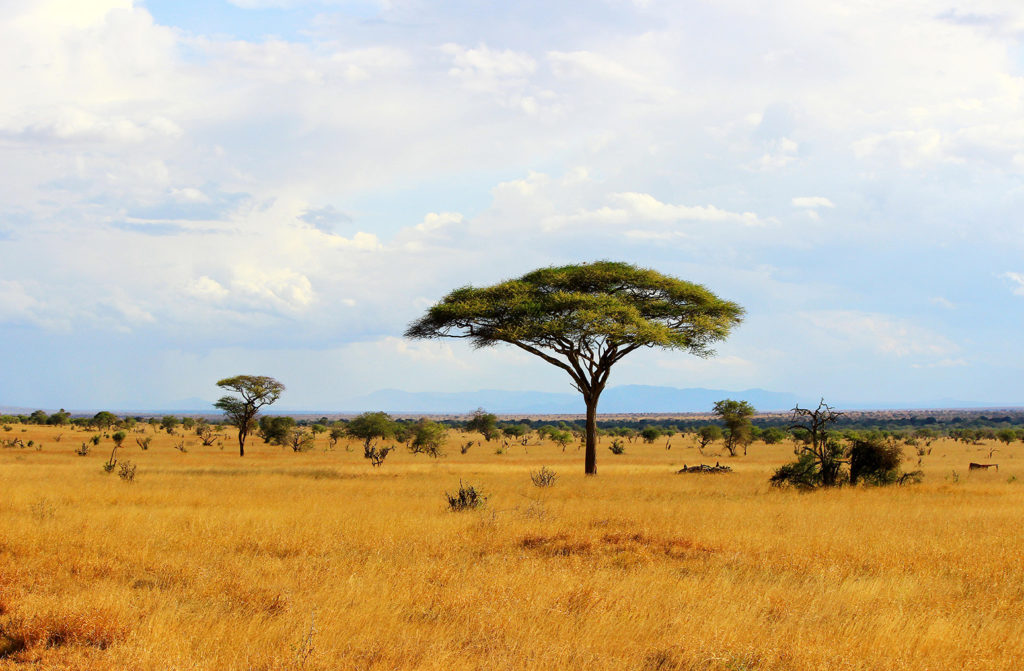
x: 315, y: 560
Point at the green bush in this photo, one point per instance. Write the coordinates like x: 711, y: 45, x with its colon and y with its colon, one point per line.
x: 804, y: 473
x: 874, y: 461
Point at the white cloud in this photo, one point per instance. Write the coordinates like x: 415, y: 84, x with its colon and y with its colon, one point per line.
x: 490, y: 70
x: 629, y: 208
x: 282, y: 289
x: 1018, y: 279
x: 812, y: 202
x: 207, y: 288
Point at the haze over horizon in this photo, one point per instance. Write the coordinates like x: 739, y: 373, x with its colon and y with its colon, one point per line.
x: 198, y: 189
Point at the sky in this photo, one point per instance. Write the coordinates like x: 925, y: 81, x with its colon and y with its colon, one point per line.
x: 194, y: 189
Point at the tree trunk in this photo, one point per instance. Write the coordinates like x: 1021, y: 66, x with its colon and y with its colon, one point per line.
x: 241, y: 443
x: 590, y: 459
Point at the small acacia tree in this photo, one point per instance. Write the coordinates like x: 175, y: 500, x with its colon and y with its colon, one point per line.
x: 736, y: 417
x: 428, y: 438
x: 483, y: 423
x: 255, y: 391
x: 370, y: 427
x: 707, y: 435
x: 583, y: 319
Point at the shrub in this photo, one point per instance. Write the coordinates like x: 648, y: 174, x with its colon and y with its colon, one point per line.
x: 428, y: 438
x: 84, y: 450
x: 95, y: 439
x: 561, y: 437
x: 707, y: 435
x: 144, y: 442
x: 804, y: 473
x: 336, y: 434
x: 874, y: 461
x: 545, y: 477
x: 377, y: 456
x: 466, y: 498
x: 300, y: 440
x: 127, y: 472
x: 617, y: 447
x: 911, y: 478
x: 276, y: 430
x: 206, y: 435
x: 650, y: 434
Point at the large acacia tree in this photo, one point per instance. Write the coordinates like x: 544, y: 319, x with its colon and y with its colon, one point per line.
x: 583, y: 319
x: 255, y: 391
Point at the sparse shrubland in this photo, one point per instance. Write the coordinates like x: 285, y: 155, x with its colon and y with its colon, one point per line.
x: 209, y: 561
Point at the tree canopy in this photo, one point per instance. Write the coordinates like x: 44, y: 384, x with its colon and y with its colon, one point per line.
x: 583, y: 319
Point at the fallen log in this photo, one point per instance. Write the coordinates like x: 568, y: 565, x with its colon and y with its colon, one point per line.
x: 704, y: 468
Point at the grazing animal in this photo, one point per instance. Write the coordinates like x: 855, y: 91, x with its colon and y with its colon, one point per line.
x: 975, y: 467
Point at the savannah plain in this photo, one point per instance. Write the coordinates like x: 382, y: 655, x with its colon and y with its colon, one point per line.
x: 316, y: 560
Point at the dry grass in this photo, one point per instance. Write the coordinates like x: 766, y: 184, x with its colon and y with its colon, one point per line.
x: 318, y: 561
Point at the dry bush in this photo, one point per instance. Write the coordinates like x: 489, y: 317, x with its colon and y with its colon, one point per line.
x: 545, y: 477
x: 467, y: 497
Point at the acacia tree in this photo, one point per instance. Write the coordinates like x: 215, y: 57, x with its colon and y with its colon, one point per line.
x: 583, y: 319
x: 256, y: 391
x: 370, y: 427
x: 736, y: 417
x: 483, y: 423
